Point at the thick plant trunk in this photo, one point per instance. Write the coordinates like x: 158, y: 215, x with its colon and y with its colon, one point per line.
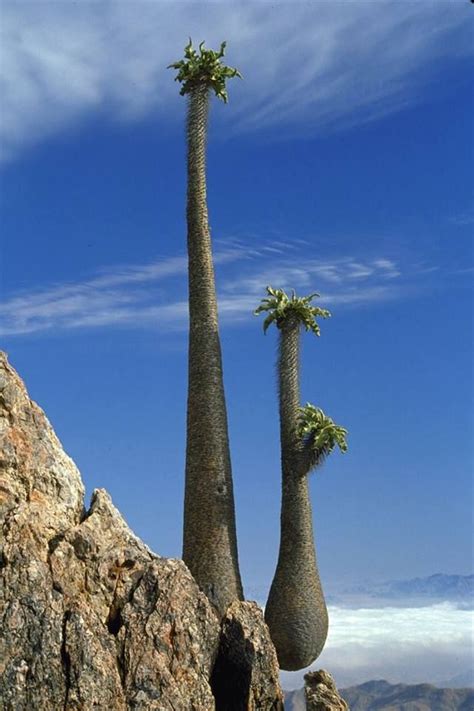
x: 296, y: 611
x: 209, y: 541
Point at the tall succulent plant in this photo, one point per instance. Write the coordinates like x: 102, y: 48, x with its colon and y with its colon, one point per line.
x: 296, y: 612
x: 209, y: 540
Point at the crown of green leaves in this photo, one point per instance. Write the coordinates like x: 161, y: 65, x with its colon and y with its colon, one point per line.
x: 204, y: 68
x: 319, y: 433
x: 281, y: 307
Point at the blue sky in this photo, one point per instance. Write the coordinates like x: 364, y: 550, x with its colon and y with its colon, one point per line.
x: 342, y: 164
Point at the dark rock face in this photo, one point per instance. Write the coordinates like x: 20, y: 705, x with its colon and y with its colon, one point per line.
x: 322, y: 694
x: 90, y: 618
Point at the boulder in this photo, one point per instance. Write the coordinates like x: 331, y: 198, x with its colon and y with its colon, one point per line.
x: 321, y: 693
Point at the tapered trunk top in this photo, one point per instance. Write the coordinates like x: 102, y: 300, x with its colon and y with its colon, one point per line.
x: 210, y: 541
x: 202, y: 301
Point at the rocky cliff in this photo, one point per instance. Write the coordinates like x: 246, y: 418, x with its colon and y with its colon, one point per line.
x: 90, y: 618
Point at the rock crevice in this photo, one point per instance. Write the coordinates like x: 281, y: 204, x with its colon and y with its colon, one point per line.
x: 66, y: 659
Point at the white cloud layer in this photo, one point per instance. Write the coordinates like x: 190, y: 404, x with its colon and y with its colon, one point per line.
x: 402, y: 645
x: 311, y: 65
x: 133, y: 296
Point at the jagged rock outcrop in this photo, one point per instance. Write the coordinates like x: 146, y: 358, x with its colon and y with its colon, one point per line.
x: 90, y: 618
x: 321, y: 693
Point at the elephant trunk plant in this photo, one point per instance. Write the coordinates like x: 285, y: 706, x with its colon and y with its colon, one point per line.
x: 296, y: 612
x: 210, y: 543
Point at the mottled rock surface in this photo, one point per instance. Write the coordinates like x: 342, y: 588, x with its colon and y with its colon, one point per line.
x: 321, y: 693
x: 90, y: 618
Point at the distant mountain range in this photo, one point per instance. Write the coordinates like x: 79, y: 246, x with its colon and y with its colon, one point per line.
x: 464, y: 680
x: 434, y: 588
x: 437, y: 587
x: 382, y: 696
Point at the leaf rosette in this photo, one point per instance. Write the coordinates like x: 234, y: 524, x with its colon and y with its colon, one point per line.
x: 281, y: 307
x: 204, y: 68
x: 319, y: 433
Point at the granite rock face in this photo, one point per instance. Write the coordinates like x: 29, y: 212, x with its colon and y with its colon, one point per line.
x: 90, y: 618
x: 321, y: 693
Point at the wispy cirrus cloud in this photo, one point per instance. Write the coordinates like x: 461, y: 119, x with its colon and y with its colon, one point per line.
x: 307, y: 65
x: 113, y: 297
x: 153, y: 295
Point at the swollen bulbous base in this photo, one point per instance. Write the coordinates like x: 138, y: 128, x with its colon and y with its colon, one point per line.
x: 297, y: 618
